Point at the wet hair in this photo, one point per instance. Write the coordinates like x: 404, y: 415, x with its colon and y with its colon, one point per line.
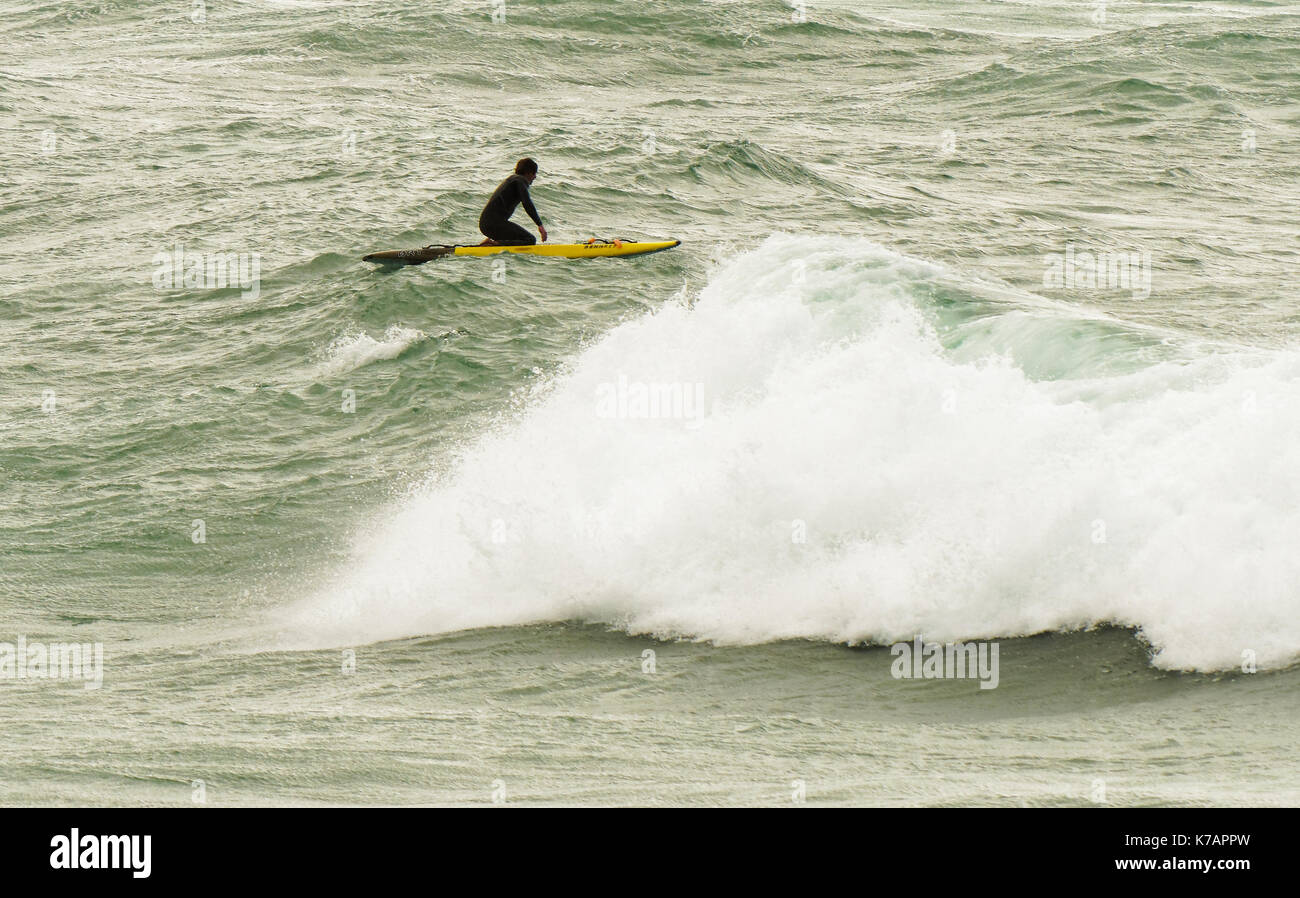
x: 525, y: 167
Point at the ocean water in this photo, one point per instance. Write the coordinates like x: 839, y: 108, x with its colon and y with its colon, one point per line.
x: 983, y: 329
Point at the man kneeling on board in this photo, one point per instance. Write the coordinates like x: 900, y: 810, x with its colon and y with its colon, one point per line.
x: 495, y: 221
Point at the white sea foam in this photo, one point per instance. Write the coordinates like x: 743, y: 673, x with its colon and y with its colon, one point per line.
x: 938, y: 492
x: 347, y: 353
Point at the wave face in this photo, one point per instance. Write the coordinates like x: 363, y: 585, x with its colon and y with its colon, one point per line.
x: 843, y: 448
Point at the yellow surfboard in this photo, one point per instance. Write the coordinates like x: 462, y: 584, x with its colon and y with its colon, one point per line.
x: 592, y: 249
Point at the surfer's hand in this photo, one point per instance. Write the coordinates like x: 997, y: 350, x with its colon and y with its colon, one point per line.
x: 543, y: 230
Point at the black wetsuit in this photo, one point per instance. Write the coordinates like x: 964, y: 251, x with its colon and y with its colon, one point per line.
x: 495, y: 221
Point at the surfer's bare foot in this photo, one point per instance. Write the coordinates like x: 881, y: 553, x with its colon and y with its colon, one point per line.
x: 489, y: 242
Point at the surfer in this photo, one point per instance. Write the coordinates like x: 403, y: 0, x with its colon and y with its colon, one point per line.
x: 495, y: 221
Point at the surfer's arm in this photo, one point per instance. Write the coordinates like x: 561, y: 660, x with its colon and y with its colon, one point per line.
x: 527, y: 202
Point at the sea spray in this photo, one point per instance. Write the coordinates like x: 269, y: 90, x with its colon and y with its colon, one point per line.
x: 958, y: 499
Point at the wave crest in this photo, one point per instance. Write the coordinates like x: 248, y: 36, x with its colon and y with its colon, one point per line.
x: 851, y: 478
